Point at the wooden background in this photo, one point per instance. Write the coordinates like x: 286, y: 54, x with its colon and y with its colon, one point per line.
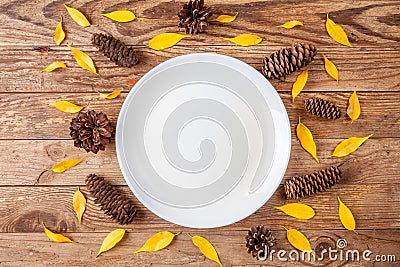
x: 34, y: 136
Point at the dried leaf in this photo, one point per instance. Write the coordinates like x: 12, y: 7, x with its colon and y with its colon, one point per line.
x: 111, y: 240
x: 297, y: 210
x: 66, y: 106
x: 354, y: 109
x: 206, y: 248
x: 120, y: 15
x: 111, y: 95
x: 349, y: 146
x: 59, y: 34
x: 157, y: 242
x: 336, y: 32
x: 77, y: 16
x: 291, y: 24
x: 79, y: 204
x: 298, y: 240
x: 83, y: 60
x: 131, y: 81
x: 54, y: 66
x: 331, y: 68
x: 346, y: 217
x: 165, y: 40
x: 56, y: 237
x: 245, y: 39
x: 299, y: 84
x: 306, y: 140
x: 66, y: 164
x: 226, y: 18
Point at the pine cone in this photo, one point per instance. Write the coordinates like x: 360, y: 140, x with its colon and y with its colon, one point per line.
x: 259, y: 241
x: 322, y: 108
x: 115, y: 50
x: 300, y: 186
x: 287, y: 60
x: 91, y: 131
x: 193, y: 17
x: 111, y: 201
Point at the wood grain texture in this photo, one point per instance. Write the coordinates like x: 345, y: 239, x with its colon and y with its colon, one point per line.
x: 53, y: 205
x: 35, y: 136
x: 34, y: 247
x: 29, y: 115
x: 22, y: 166
x: 371, y: 68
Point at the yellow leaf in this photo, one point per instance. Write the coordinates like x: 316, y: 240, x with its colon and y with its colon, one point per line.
x: 299, y: 84
x: 59, y: 34
x: 66, y: 106
x: 245, y: 39
x: 226, y: 18
x: 83, y: 60
x: 111, y: 95
x: 206, y: 248
x: 346, y: 217
x: 165, y: 40
x: 77, y: 16
x: 157, y: 242
x: 291, y: 24
x: 56, y: 237
x: 297, y: 210
x: 306, y: 140
x: 79, y: 204
x: 65, y: 165
x: 298, y: 240
x: 120, y: 15
x: 111, y: 240
x: 349, y: 146
x: 336, y: 32
x: 331, y: 68
x: 354, y: 109
x: 55, y: 65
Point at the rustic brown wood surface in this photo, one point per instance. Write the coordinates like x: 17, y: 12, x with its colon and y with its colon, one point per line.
x: 35, y: 136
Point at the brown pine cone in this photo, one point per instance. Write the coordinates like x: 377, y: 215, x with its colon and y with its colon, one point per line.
x: 91, y: 131
x: 287, y: 60
x: 193, y: 17
x: 322, y: 108
x: 259, y: 241
x: 115, y: 50
x: 301, y: 186
x: 111, y: 200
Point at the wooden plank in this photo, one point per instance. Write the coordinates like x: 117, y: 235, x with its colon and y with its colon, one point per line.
x: 23, y: 209
x: 28, y: 116
x: 35, y: 249
x: 371, y: 68
x: 24, y: 162
x: 366, y: 22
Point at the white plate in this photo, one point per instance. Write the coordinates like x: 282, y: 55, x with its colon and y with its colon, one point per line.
x: 203, y: 140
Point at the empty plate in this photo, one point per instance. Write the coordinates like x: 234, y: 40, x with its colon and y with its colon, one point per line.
x: 203, y: 140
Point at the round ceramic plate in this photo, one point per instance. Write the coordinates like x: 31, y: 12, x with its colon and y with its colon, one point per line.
x: 203, y: 140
